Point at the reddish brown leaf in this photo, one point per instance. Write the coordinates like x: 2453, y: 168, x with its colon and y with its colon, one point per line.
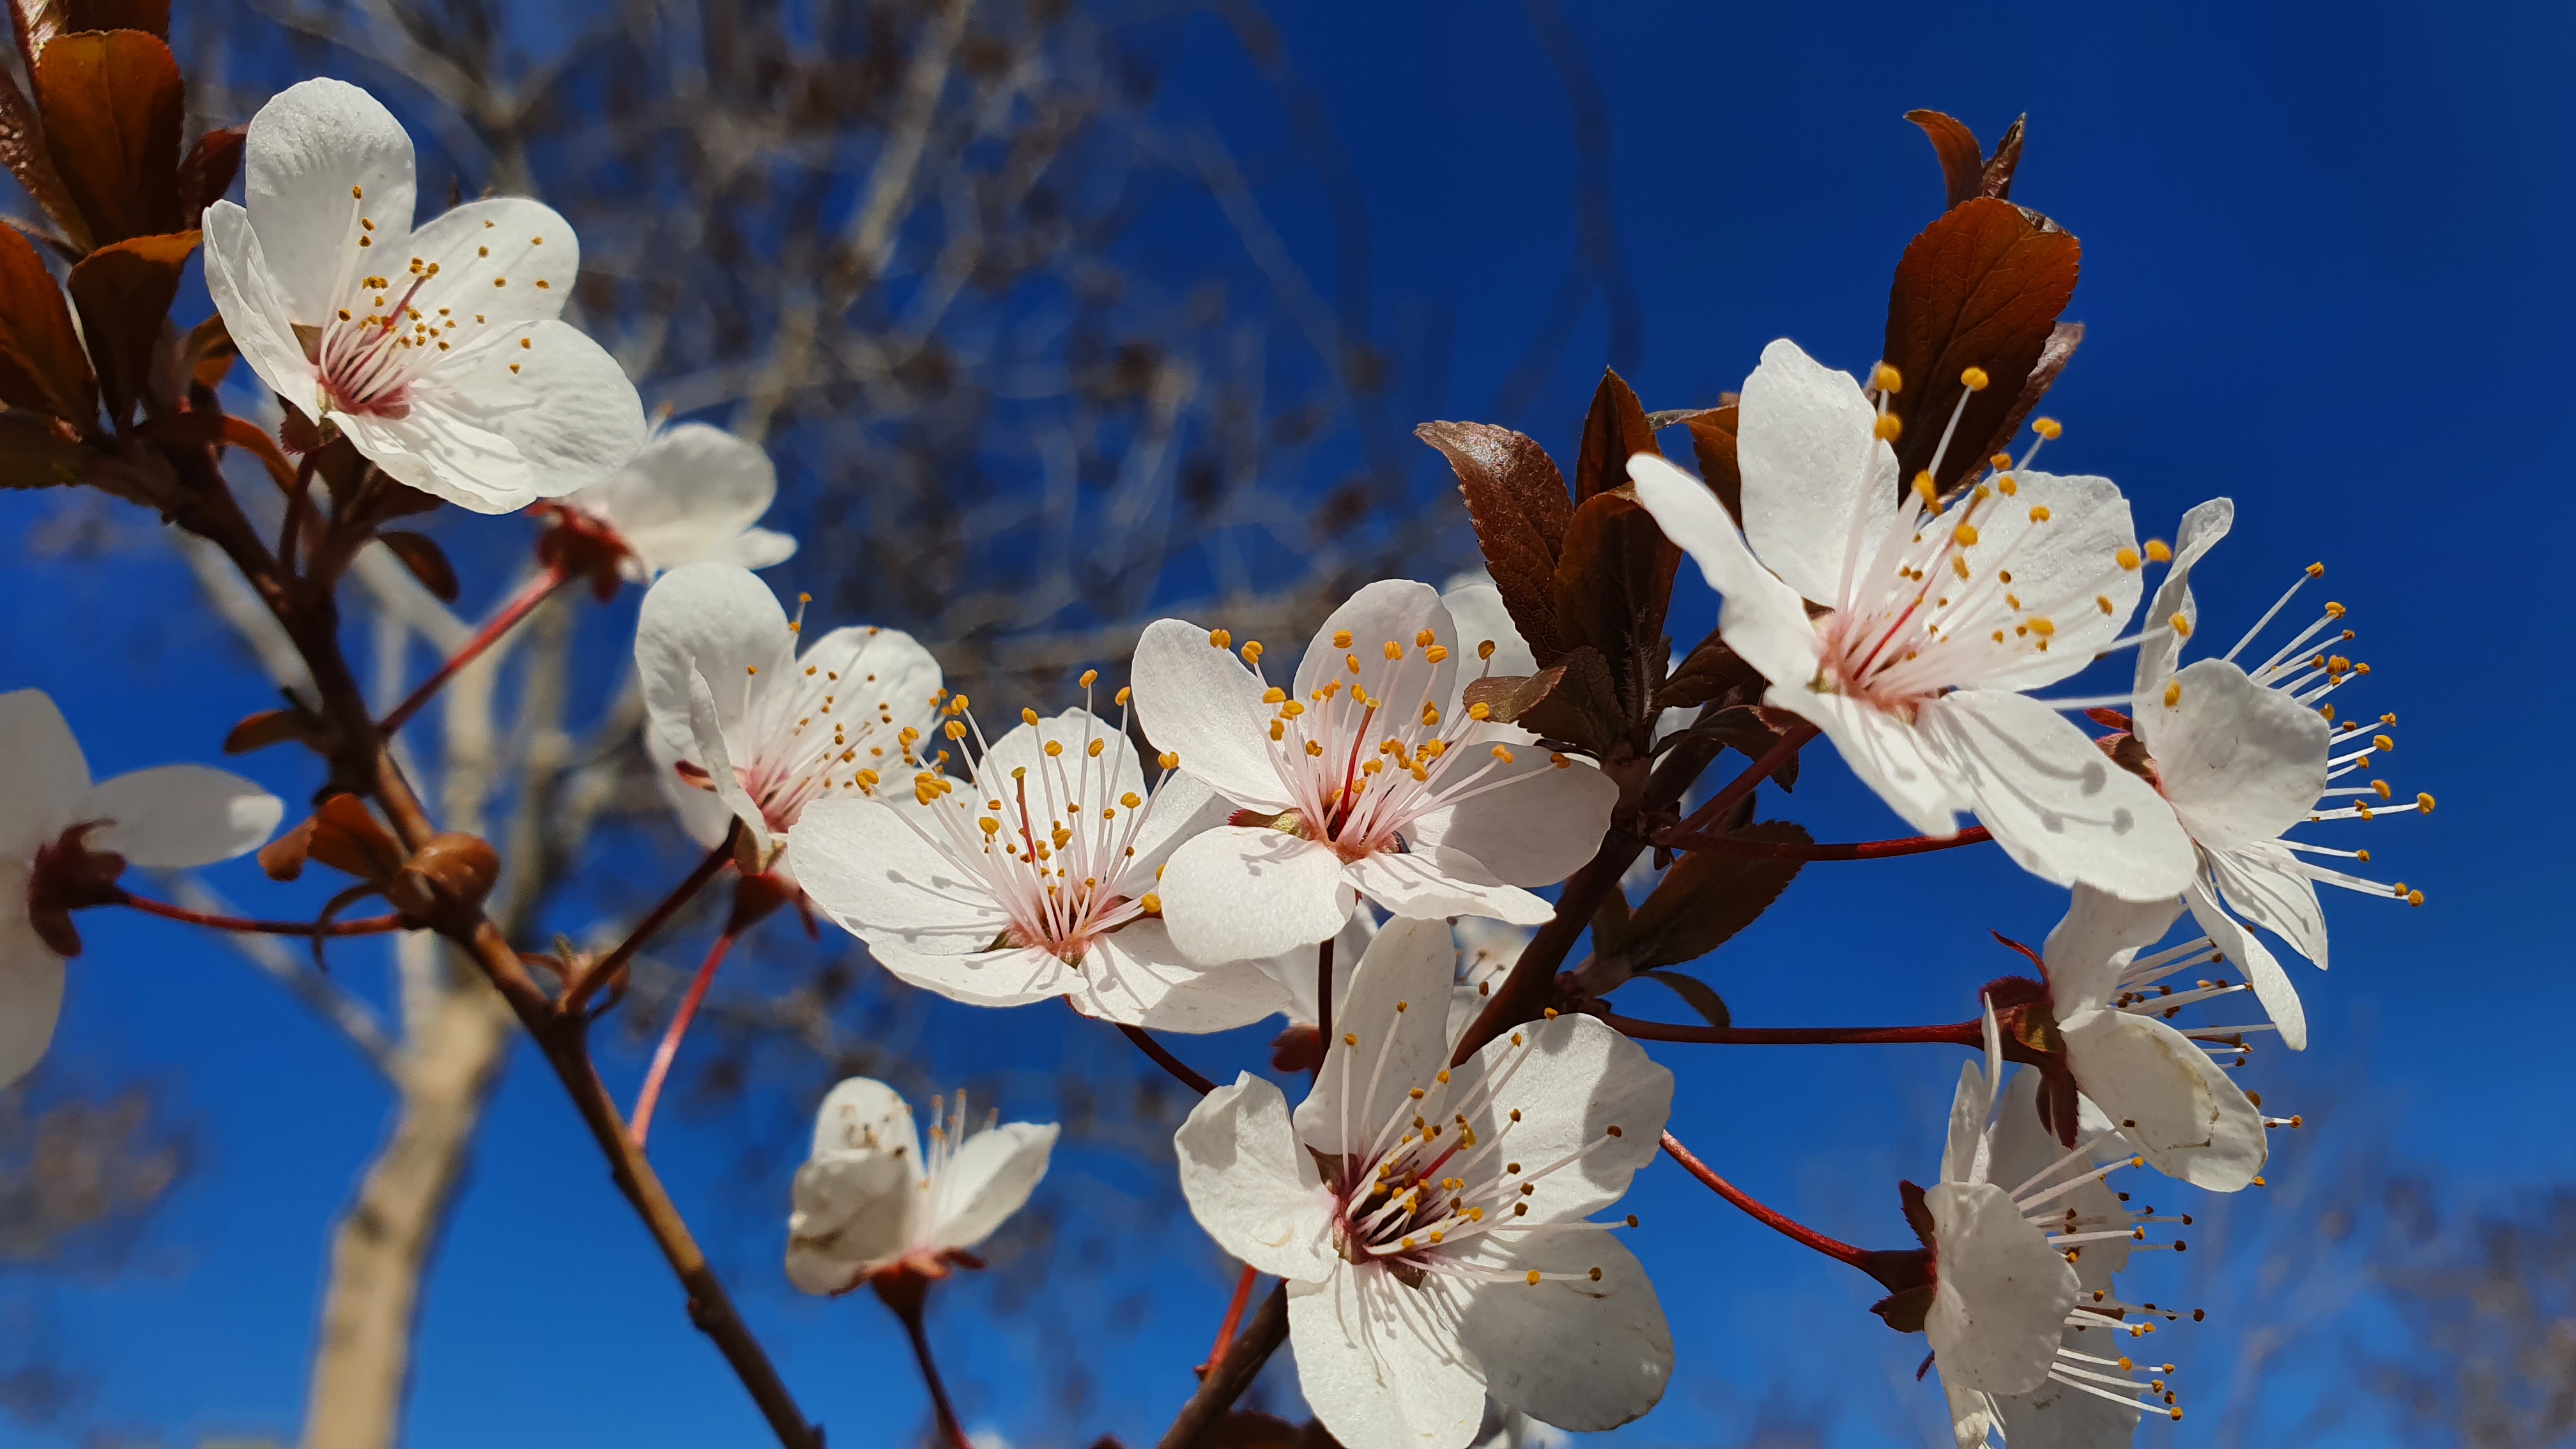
x: 1963, y: 166
x: 1577, y: 703
x: 34, y: 454
x: 113, y: 105
x: 427, y: 561
x: 259, y: 731
x: 1751, y: 730
x: 341, y: 834
x: 2058, y: 351
x: 208, y: 351
x: 1613, y: 432
x: 22, y: 149
x: 42, y: 365
x: 1712, y: 437
x: 1998, y: 178
x: 1613, y: 580
x: 1980, y: 287
x: 1706, y: 898
x: 209, y: 170
x: 124, y: 292
x: 1516, y: 500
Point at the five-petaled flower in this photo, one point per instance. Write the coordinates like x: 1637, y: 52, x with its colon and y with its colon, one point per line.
x: 695, y: 494
x: 2246, y: 753
x: 1368, y: 777
x: 742, y: 727
x: 1033, y: 877
x: 63, y: 842
x: 1432, y: 1221
x: 2027, y: 1326
x: 438, y: 352
x: 1932, y: 624
x: 868, y: 1202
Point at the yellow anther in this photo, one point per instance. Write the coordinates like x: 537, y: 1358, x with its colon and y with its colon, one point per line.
x: 1274, y: 695
x: 1887, y: 379
x: 1533, y: 1277
x: 2181, y: 626
x: 2126, y: 558
x: 1430, y: 714
x: 1095, y: 748
x: 2043, y: 627
x: 1887, y: 427
x: 990, y: 825
x: 2316, y: 571
x: 1278, y: 730
x: 1973, y: 379
x: 1168, y: 760
x: 2048, y: 428
x: 1394, y: 650
x: 1925, y: 489
x: 2424, y: 803
x: 1028, y: 716
x: 1053, y: 747
x: 2379, y: 788
x: 2103, y: 601
x: 1314, y: 748
x: 2173, y: 694
x: 2039, y: 513
x: 1341, y: 638
x: 1152, y: 903
x: 1089, y: 678
x: 954, y: 729
x: 1959, y: 565
x: 1965, y: 535
x: 1437, y: 652
x: 2337, y: 611
x: 1353, y: 661
x: 1485, y: 650
x: 1480, y: 711
x: 1220, y: 639
x: 1291, y: 710
x: 2414, y: 898
x: 1123, y: 695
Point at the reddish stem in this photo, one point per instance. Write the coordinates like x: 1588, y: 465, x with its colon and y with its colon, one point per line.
x: 1742, y: 785
x: 1168, y: 1062
x: 1854, y: 850
x: 366, y: 926
x: 1788, y: 1227
x: 1964, y: 1033
x: 536, y: 591
x: 1233, y: 1317
x: 599, y: 974
x: 299, y: 499
x: 641, y: 1121
x: 904, y: 1292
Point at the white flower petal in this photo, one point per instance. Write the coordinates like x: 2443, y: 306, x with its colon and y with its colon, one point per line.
x: 2191, y: 1122
x: 1762, y: 618
x: 1435, y: 883
x: 2241, y: 763
x: 853, y: 1214
x: 310, y: 152
x: 1295, y: 970
x: 1137, y: 976
x: 703, y: 817
x: 2089, y: 948
x: 1241, y: 893
x: 44, y: 779
x: 2022, y: 1148
x: 2262, y: 971
x: 867, y: 865
x: 1252, y: 1185
x: 178, y: 816
x: 706, y: 729
x: 31, y: 981
x: 2202, y: 527
x: 2002, y: 1295
x: 2263, y: 882
x: 1390, y: 611
x: 2057, y: 1415
x: 989, y: 1178
x: 239, y: 281
x: 1969, y: 1105
x: 1818, y: 484
x: 1379, y: 1365
x: 566, y: 407
x: 1182, y: 807
x: 2065, y: 568
x: 719, y: 621
x: 1583, y: 1354
x: 1572, y: 1083
x: 447, y: 453
x: 1199, y: 702
x: 1477, y: 612
x: 2058, y: 806
x: 692, y: 494
x: 1398, y: 1009
x: 1535, y: 831
x: 1896, y: 759
x: 861, y: 1114
x: 491, y: 255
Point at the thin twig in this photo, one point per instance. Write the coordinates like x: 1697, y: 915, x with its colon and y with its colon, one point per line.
x: 606, y: 968
x: 1232, y: 1374
x: 1163, y: 1058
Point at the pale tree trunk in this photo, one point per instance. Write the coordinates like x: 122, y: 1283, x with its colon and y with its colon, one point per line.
x: 456, y: 1038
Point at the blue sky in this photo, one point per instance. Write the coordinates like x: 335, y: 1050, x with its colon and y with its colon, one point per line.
x: 2323, y: 274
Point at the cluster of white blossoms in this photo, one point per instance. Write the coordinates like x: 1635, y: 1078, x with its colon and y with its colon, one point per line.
x: 1194, y: 855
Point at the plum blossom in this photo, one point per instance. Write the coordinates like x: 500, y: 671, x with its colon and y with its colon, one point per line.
x: 64, y: 840
x: 2089, y: 1393
x: 1432, y: 1223
x: 437, y: 351
x: 1932, y: 626
x: 743, y: 727
x: 1035, y: 880
x: 695, y: 494
x: 2246, y: 754
x: 2171, y: 1100
x: 1368, y: 778
x: 868, y: 1202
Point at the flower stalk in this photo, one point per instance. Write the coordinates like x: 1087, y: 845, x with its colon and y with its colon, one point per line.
x: 651, y: 1093
x: 521, y: 604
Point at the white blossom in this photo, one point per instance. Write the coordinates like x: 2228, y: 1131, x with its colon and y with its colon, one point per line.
x: 867, y: 1200
x: 694, y: 494
x: 1933, y: 624
x: 742, y: 726
x: 438, y: 352
x: 1433, y: 1223
x: 1367, y: 778
x: 54, y: 826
